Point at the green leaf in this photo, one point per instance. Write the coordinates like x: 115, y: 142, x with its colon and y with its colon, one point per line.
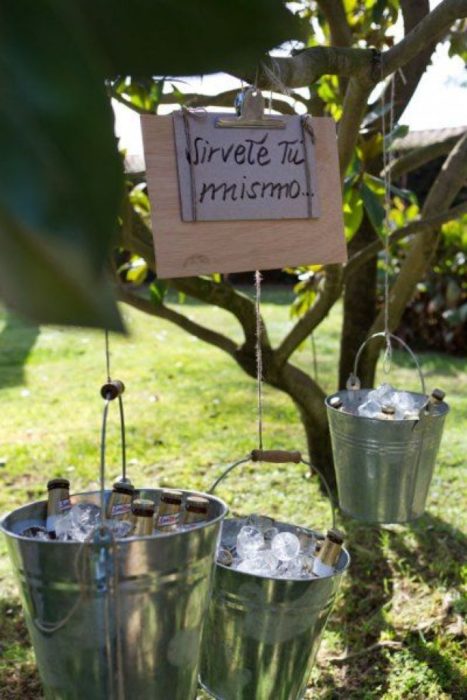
x: 49, y: 280
x: 157, y: 291
x: 373, y: 208
x: 353, y: 212
x: 61, y: 176
x: 186, y: 37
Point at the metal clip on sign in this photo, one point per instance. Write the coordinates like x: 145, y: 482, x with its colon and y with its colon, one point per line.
x: 252, y: 116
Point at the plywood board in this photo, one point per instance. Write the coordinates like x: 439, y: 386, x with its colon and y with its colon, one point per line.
x: 188, y: 248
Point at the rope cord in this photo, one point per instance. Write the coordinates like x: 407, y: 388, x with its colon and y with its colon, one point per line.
x: 387, y: 163
x: 259, y: 357
x: 107, y: 355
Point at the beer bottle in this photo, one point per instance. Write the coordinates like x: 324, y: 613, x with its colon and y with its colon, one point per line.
x: 196, y: 511
x: 143, y: 517
x: 437, y: 397
x: 119, y: 504
x: 169, y: 515
x: 387, y: 412
x: 58, y: 503
x: 327, y: 557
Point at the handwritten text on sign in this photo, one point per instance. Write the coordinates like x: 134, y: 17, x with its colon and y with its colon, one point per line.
x: 246, y: 173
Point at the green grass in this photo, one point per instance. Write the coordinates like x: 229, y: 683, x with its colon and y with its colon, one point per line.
x: 189, y: 412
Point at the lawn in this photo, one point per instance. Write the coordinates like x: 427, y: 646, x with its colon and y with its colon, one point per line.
x: 189, y: 412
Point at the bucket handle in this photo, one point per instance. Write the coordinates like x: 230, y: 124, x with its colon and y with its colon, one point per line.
x: 110, y: 391
x: 278, y: 457
x: 353, y: 381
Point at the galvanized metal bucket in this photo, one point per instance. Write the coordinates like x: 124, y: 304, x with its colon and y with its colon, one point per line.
x: 261, y: 634
x: 115, y: 620
x: 383, y: 467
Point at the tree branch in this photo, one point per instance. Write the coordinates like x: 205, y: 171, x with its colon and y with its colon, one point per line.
x: 223, y: 99
x: 313, y: 317
x: 305, y: 67
x: 355, y: 103
x: 441, y: 195
x: 160, y: 310
x: 136, y: 236
x: 419, y: 156
x: 225, y: 297
x: 431, y: 29
x: 414, y: 227
x: 334, y: 12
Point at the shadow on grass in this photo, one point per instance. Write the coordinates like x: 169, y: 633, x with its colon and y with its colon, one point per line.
x: 360, y: 620
x: 433, y: 364
x: 18, y: 674
x: 17, y: 339
x: 368, y: 590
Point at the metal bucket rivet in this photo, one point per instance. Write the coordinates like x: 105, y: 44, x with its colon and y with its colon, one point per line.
x: 383, y: 467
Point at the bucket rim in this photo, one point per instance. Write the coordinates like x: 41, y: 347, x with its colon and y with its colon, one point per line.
x: 443, y: 408
x: 219, y: 518
x: 293, y: 580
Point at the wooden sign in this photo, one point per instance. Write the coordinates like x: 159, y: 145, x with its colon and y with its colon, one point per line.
x: 194, y: 237
x: 244, y: 173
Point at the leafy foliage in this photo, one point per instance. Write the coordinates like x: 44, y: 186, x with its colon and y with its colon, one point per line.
x: 61, y: 177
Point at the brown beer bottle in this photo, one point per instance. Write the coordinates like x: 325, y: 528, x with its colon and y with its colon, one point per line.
x: 328, y: 556
x: 58, y: 503
x: 196, y: 511
x: 119, y: 504
x: 169, y: 515
x: 143, y: 517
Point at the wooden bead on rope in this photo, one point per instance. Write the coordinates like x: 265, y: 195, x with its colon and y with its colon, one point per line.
x: 276, y: 456
x: 110, y: 390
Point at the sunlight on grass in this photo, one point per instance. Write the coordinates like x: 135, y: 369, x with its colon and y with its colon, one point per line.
x: 190, y: 411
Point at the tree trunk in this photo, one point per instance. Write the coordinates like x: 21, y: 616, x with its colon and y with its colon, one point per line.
x: 319, y: 449
x: 359, y: 310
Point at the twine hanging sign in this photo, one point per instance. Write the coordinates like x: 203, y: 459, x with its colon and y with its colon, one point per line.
x: 232, y: 194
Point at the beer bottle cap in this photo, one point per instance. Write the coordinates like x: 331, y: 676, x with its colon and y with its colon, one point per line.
x: 123, y: 487
x: 143, y: 507
x: 438, y: 394
x: 388, y: 409
x: 172, y: 496
x: 335, y: 536
x: 58, y: 484
x: 197, y: 504
x: 335, y: 402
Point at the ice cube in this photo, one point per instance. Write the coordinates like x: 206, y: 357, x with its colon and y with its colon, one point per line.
x: 285, y: 546
x: 120, y: 528
x: 293, y: 568
x: 36, y: 533
x: 264, y: 563
x: 307, y: 541
x: 260, y: 522
x: 78, y: 523
x: 270, y: 533
x: 369, y: 409
x: 249, y: 541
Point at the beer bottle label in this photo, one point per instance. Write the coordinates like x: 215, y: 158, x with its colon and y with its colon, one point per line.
x: 63, y: 505
x: 120, y: 509
x: 169, y: 519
